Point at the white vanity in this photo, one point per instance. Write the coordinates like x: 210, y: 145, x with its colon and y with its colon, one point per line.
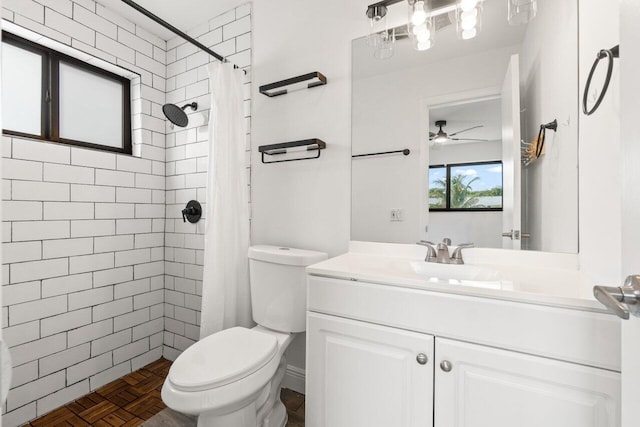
x: 508, y: 339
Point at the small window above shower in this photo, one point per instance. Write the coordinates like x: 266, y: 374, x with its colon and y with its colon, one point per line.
x: 52, y: 96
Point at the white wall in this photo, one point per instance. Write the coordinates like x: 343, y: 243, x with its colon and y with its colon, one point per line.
x: 599, y: 157
x: 549, y: 88
x: 303, y: 204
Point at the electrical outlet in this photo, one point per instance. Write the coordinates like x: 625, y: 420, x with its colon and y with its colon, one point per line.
x: 397, y: 215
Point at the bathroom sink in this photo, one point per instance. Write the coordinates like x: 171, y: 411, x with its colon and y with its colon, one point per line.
x: 456, y: 273
x: 550, y: 279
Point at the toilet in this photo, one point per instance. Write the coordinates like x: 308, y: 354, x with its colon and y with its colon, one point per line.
x: 232, y: 378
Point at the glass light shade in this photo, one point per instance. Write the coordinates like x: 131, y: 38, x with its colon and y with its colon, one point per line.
x: 424, y: 40
x: 466, y: 5
x: 468, y: 22
x: 385, y: 49
x: 522, y: 11
x: 420, y: 26
x: 424, y: 36
x: 419, y: 29
x: 419, y: 13
x: 440, y: 138
x: 377, y: 20
x: 423, y: 45
x: 469, y: 34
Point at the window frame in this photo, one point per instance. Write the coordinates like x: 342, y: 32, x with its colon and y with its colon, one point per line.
x: 50, y: 102
x: 448, y: 207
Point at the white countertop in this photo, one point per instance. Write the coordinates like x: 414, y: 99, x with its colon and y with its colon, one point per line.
x: 522, y: 276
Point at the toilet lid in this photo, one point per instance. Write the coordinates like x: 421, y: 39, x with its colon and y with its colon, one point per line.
x: 222, y: 358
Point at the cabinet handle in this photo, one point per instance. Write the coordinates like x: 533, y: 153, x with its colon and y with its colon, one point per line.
x: 422, y: 359
x: 446, y: 366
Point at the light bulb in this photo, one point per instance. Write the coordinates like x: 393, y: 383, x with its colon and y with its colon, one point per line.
x: 468, y: 24
x: 467, y: 5
x: 424, y: 36
x: 423, y: 45
x: 419, y: 29
x: 419, y: 15
x: 469, y: 34
x: 469, y: 14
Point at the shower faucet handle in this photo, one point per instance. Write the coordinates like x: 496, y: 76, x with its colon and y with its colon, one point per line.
x: 192, y: 212
x: 187, y: 211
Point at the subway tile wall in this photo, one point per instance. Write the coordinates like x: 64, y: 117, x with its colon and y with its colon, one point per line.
x: 83, y: 230
x: 101, y: 276
x: 186, y: 166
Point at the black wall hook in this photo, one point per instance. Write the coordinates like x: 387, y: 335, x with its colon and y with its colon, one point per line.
x: 192, y: 212
x: 551, y: 125
x: 542, y: 135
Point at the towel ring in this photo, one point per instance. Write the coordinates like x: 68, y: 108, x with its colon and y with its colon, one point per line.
x: 610, y: 54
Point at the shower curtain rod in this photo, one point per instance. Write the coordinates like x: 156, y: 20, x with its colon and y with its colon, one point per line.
x: 174, y: 30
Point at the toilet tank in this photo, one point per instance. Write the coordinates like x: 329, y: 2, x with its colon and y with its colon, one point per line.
x: 279, y: 286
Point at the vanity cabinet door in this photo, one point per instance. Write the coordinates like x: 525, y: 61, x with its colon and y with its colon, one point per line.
x: 482, y: 386
x: 365, y: 375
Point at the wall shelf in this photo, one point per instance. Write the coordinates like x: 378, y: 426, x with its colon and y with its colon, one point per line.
x: 294, y: 83
x: 283, y: 147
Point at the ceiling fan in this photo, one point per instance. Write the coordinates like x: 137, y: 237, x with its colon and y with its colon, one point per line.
x: 441, y: 136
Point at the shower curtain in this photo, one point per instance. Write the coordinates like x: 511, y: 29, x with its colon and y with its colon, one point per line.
x: 225, y: 289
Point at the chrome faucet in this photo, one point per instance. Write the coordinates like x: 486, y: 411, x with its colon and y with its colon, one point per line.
x: 443, y: 252
x: 440, y: 253
x: 456, y: 256
x: 431, y: 250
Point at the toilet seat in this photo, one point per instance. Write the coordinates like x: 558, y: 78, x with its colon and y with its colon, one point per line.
x: 222, y: 358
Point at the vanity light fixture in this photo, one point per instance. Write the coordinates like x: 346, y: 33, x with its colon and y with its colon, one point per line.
x: 424, y: 19
x: 384, y: 49
x: 420, y: 25
x: 380, y: 37
x: 468, y: 19
x: 377, y: 15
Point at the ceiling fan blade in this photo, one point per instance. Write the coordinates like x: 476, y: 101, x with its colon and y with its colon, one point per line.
x: 465, y: 130
x: 432, y: 134
x: 468, y: 139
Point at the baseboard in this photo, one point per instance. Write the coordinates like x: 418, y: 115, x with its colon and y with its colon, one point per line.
x: 294, y: 379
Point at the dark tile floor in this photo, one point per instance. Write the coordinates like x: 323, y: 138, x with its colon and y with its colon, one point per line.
x: 294, y: 402
x: 128, y: 401
x: 135, y: 399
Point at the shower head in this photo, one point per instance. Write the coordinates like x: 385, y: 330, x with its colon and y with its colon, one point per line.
x: 176, y: 115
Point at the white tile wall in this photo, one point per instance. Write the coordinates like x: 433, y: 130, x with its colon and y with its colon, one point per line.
x: 100, y: 274
x: 72, y: 220
x: 186, y: 168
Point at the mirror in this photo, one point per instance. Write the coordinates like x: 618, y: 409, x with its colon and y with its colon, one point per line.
x: 470, y: 177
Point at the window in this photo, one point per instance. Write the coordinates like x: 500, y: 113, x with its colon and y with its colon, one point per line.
x: 466, y: 187
x: 51, y: 96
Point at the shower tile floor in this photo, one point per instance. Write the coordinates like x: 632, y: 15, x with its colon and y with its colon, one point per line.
x: 134, y: 400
